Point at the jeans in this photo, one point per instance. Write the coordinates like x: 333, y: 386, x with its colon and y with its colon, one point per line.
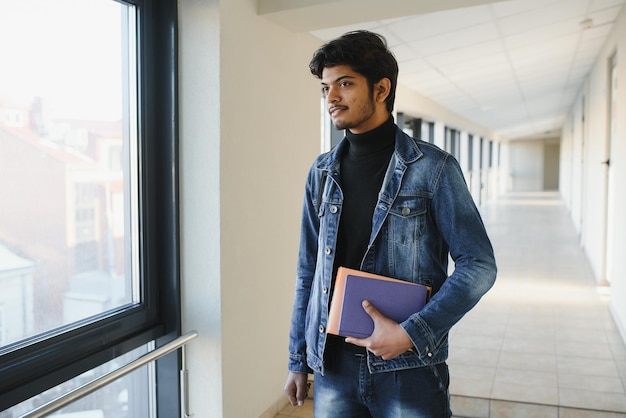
x: 348, y: 390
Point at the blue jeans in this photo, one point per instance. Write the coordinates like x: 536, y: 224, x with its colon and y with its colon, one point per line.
x: 349, y: 390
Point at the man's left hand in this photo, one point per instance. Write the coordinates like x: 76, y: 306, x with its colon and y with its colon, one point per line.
x: 388, y: 340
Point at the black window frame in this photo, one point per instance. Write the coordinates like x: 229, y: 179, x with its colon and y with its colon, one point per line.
x: 31, y: 367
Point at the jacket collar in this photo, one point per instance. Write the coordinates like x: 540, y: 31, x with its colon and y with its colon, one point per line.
x: 406, y: 149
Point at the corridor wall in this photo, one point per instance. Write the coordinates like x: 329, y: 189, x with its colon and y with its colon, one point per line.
x: 248, y: 134
x: 593, y: 200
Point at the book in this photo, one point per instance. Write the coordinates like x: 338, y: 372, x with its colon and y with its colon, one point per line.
x: 395, y: 299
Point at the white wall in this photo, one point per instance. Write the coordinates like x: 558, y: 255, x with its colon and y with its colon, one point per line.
x: 249, y: 132
x: 533, y: 164
x: 618, y: 189
x: 584, y: 184
x: 526, y: 166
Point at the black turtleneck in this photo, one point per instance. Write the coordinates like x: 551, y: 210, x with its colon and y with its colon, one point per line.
x: 362, y: 169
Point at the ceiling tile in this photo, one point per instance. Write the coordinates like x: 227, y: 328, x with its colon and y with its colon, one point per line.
x: 537, y: 18
x: 487, y: 52
x: 604, y: 4
x: 433, y: 24
x: 508, y: 8
x: 532, y: 37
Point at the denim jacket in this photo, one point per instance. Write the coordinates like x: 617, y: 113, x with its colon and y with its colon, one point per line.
x: 424, y: 212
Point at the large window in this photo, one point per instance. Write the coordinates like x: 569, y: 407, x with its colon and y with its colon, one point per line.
x: 88, y: 215
x: 453, y: 142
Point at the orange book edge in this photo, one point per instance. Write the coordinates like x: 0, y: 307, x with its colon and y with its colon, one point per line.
x: 336, y: 304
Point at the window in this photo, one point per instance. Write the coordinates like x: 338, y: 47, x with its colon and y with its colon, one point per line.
x: 88, y: 233
x: 2, y: 326
x: 453, y: 142
x: 428, y: 130
x: 470, y: 152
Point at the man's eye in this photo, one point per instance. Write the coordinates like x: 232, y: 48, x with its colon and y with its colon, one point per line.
x: 324, y: 90
x: 345, y: 84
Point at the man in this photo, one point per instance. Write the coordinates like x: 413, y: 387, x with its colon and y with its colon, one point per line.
x: 384, y: 203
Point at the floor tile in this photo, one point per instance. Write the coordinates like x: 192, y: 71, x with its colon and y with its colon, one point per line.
x: 587, y: 366
x: 503, y: 409
x: 304, y: 411
x: 476, y: 388
x: 469, y: 407
x: 530, y: 345
x: 610, y: 402
x: 591, y: 383
x: 472, y: 357
x: 585, y: 413
x: 508, y: 391
x: 527, y: 361
x: 593, y: 350
x: 526, y: 377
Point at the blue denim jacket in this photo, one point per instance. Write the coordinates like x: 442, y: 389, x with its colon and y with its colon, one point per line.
x: 424, y: 212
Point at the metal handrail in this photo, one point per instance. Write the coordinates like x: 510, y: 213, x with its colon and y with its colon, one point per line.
x: 104, y: 380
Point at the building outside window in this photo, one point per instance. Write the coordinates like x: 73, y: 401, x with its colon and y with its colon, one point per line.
x: 80, y: 257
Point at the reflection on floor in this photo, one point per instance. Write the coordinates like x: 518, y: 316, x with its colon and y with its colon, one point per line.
x: 542, y: 343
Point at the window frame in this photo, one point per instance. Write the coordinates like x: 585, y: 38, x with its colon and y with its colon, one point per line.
x: 54, y: 357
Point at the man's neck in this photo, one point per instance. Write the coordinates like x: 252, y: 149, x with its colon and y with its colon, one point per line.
x: 380, y: 117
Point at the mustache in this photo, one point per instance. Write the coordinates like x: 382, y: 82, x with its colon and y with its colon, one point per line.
x: 331, y: 108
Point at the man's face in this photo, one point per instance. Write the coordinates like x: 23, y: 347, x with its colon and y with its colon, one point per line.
x: 349, y: 100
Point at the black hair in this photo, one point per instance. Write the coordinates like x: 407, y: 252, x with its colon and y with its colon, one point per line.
x: 364, y: 52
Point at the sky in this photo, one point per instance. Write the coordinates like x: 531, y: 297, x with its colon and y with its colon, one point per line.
x: 66, y: 51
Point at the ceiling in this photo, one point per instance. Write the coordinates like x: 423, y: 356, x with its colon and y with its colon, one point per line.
x: 514, y: 67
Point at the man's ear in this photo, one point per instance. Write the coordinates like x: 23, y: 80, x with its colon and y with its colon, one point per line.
x: 382, y: 89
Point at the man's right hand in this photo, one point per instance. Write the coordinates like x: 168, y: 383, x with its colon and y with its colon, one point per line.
x: 297, y: 388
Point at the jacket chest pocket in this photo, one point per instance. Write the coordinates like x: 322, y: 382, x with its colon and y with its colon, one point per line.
x: 406, y: 219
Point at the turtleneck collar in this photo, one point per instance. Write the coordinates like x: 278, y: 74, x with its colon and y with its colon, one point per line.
x: 373, y: 141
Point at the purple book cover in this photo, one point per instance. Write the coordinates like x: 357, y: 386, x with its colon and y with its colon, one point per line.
x: 395, y: 300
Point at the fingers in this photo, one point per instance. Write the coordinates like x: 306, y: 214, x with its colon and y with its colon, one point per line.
x: 374, y: 314
x: 303, y: 392
x: 291, y: 395
x: 297, y: 388
x: 370, y: 309
x: 291, y: 391
x: 361, y: 342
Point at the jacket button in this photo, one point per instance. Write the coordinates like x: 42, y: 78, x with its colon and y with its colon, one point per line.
x: 324, y: 289
x: 406, y: 210
x: 321, y: 328
x: 333, y: 209
x: 327, y: 250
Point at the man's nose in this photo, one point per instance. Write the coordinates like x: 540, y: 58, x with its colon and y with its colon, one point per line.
x: 331, y: 95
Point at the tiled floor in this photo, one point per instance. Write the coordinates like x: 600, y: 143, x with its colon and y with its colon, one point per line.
x: 542, y: 342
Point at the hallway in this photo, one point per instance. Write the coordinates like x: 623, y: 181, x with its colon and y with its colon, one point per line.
x: 542, y: 343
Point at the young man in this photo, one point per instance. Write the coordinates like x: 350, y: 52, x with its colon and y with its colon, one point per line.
x: 384, y: 203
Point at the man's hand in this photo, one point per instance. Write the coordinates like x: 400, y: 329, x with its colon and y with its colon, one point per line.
x: 297, y: 388
x: 388, y: 340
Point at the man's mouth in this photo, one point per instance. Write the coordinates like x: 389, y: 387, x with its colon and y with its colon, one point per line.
x: 336, y: 109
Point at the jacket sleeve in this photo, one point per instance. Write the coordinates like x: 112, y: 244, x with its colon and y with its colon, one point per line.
x: 307, y: 256
x: 460, y: 226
